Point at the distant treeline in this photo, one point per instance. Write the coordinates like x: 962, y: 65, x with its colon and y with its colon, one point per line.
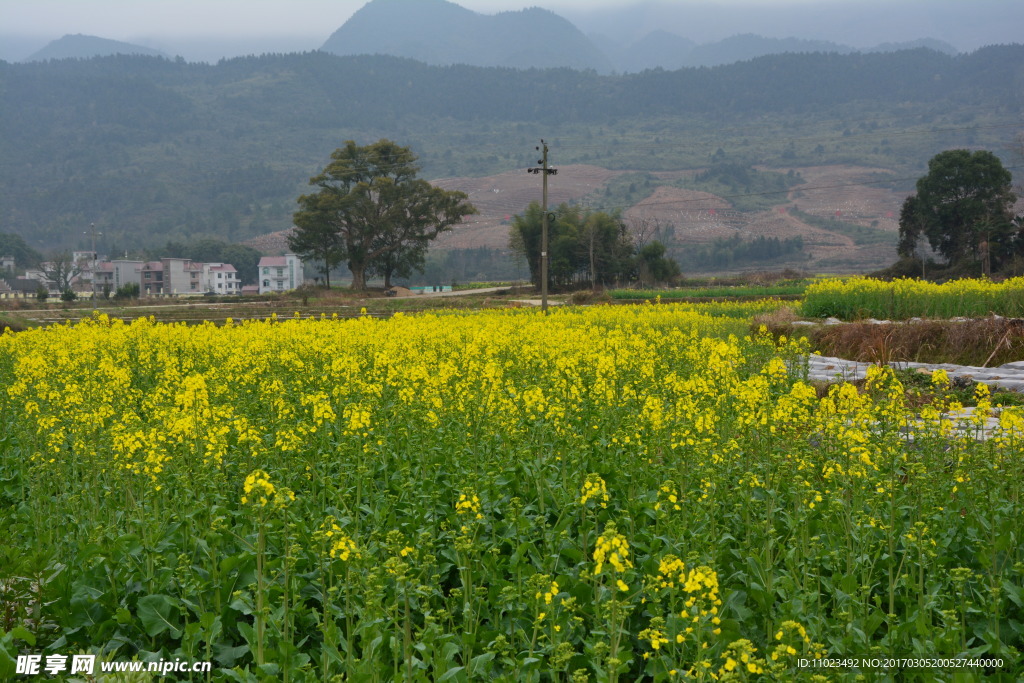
x: 136, y: 93
x: 729, y: 252
x: 151, y: 149
x: 476, y: 264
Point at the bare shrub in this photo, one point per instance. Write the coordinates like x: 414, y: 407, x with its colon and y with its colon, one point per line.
x: 778, y: 322
x: 584, y: 297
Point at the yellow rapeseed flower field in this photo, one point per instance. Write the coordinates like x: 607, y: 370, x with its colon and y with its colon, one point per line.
x: 862, y: 297
x: 604, y: 493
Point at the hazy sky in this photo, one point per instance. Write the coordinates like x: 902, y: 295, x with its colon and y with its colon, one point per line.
x: 127, y: 19
x: 209, y: 29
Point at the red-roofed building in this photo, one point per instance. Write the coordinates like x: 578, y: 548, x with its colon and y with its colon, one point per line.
x: 280, y: 273
x: 220, y: 278
x: 175, y: 276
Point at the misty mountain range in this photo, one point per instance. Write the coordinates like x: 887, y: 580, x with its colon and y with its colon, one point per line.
x: 438, y: 32
x: 149, y: 148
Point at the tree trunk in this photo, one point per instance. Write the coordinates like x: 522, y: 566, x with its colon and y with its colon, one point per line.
x: 986, y: 264
x: 593, y: 270
x: 358, y: 276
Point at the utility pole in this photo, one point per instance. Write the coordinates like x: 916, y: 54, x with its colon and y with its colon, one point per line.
x: 545, y: 172
x: 95, y: 261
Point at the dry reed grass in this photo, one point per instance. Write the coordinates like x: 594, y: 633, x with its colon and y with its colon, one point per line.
x: 985, y: 342
x: 982, y: 342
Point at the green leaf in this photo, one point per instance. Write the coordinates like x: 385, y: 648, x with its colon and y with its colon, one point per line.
x: 248, y: 633
x: 159, y: 613
x: 269, y: 669
x: 227, y: 656
x: 451, y: 674
x: 24, y: 634
x: 476, y: 665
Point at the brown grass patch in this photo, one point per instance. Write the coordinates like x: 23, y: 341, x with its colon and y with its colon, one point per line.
x: 587, y: 297
x: 986, y: 342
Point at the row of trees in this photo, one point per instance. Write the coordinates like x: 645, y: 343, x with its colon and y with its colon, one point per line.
x: 963, y: 210
x: 373, y: 214
x: 730, y: 252
x: 588, y: 248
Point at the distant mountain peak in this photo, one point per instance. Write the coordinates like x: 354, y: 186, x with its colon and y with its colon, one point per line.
x: 79, y: 46
x: 442, y: 33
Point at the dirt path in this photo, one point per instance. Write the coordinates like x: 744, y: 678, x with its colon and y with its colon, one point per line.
x: 458, y: 292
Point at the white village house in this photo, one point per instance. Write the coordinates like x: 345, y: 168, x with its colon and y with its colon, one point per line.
x: 220, y: 278
x: 280, y: 273
x: 92, y: 276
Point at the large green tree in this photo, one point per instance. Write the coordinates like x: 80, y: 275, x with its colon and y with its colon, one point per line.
x: 370, y: 209
x: 964, y: 207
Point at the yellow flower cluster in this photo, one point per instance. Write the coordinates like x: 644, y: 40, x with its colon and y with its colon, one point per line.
x: 668, y: 497
x: 550, y: 594
x: 792, y: 640
x: 703, y: 581
x: 655, y: 635
x: 612, y: 548
x: 594, y: 489
x: 258, y: 489
x: 340, y: 545
x: 469, y: 504
x: 671, y: 571
x: 741, y: 655
x: 260, y: 492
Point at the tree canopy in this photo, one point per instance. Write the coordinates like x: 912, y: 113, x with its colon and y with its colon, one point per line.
x: 372, y: 212
x: 964, y: 207
x: 24, y: 255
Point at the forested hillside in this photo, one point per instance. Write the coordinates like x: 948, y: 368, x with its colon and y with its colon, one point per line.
x: 150, y: 149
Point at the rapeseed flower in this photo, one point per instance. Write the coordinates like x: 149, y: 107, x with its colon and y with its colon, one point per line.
x: 595, y: 489
x: 612, y: 548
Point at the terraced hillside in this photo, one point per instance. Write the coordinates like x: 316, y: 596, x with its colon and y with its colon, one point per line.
x: 847, y: 216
